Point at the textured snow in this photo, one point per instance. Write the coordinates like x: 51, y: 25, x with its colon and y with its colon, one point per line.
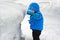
x: 51, y: 24
x: 11, y: 16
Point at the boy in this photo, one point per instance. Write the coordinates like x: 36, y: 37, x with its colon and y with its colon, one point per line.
x: 36, y: 20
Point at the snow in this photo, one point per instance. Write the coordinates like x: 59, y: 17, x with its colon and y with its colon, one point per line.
x: 51, y: 24
x: 12, y: 14
x: 7, y: 0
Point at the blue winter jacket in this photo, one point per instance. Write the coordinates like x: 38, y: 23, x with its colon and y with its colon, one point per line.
x: 36, y: 19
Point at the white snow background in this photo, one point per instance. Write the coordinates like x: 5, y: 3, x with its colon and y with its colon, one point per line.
x: 51, y: 12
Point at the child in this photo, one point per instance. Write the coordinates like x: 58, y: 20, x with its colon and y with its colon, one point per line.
x: 36, y: 20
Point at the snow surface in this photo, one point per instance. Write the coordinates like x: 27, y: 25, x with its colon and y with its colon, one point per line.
x: 51, y: 24
x: 11, y: 16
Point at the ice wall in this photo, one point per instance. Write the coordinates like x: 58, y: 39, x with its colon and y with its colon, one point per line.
x: 11, y: 16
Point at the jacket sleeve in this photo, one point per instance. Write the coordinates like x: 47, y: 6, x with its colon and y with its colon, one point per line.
x: 29, y: 12
x: 37, y: 16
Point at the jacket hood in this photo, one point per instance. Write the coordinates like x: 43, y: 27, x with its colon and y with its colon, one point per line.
x: 34, y: 6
